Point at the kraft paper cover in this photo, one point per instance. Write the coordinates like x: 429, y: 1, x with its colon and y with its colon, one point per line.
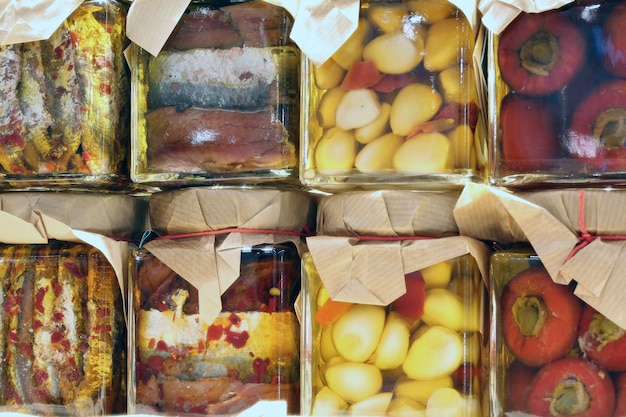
x: 552, y: 221
x: 211, y: 263
x: 372, y: 271
x: 32, y: 20
x: 97, y: 220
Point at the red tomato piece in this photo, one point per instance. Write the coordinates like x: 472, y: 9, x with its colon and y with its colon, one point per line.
x: 539, y: 53
x: 517, y: 385
x: 539, y: 317
x: 530, y: 132
x: 619, y: 380
x: 614, y: 40
x: 411, y: 304
x: 598, y: 127
x: 603, y: 341
x: 362, y: 74
x: 572, y: 387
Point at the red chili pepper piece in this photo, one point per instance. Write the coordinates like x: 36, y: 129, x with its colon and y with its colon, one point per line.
x: 603, y: 341
x: 539, y: 53
x: 362, y: 74
x: 539, y: 317
x: 572, y: 387
x: 598, y: 128
x: 530, y: 132
x: 411, y: 304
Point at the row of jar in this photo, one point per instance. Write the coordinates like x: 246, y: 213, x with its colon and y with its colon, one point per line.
x: 233, y: 304
x: 403, y: 102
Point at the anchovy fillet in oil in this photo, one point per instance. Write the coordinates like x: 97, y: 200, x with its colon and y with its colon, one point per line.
x: 69, y: 308
x: 44, y: 374
x: 64, y: 92
x: 11, y: 117
x: 19, y: 352
x: 102, y: 328
x: 37, y: 117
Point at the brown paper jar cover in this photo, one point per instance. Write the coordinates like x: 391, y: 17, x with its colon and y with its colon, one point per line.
x: 387, y: 213
x: 219, y: 102
x: 66, y: 104
x: 111, y: 215
x: 199, y: 209
x: 214, y: 318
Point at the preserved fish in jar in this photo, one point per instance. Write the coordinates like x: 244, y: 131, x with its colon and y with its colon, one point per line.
x: 220, y: 101
x: 554, y: 353
x: 399, y: 103
x: 63, y: 338
x: 250, y: 353
x: 558, y: 92
x: 422, y: 352
x: 64, y: 116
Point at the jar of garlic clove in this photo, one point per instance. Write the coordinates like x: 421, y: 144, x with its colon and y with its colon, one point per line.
x: 400, y: 103
x: 393, y: 316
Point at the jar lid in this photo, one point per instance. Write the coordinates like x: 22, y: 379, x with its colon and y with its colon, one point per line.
x: 388, y: 213
x: 198, y: 209
x: 112, y: 215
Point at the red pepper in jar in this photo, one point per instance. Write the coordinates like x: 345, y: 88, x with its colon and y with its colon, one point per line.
x: 619, y: 380
x: 539, y: 53
x: 530, y: 132
x: 614, y: 39
x: 572, y: 387
x: 598, y: 127
x: 539, y: 317
x: 601, y: 340
x: 517, y: 385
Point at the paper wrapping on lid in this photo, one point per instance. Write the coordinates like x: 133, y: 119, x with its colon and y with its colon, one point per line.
x: 211, y: 262
x: 372, y: 271
x: 32, y: 20
x: 551, y: 221
x: 497, y: 14
x: 105, y: 222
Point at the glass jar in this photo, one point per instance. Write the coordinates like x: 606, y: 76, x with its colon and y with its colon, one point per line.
x: 400, y: 103
x: 558, y: 93
x: 182, y: 365
x: 219, y: 103
x: 552, y: 353
x: 422, y: 353
x: 64, y: 117
x: 63, y: 335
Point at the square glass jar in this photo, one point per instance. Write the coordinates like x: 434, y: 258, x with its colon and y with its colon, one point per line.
x: 65, y: 111
x: 251, y: 352
x: 425, y: 351
x: 551, y: 353
x: 62, y: 331
x: 557, y: 94
x: 220, y: 102
x: 401, y: 103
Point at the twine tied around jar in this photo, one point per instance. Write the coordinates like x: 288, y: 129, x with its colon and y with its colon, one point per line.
x: 585, y: 237
x: 306, y: 232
